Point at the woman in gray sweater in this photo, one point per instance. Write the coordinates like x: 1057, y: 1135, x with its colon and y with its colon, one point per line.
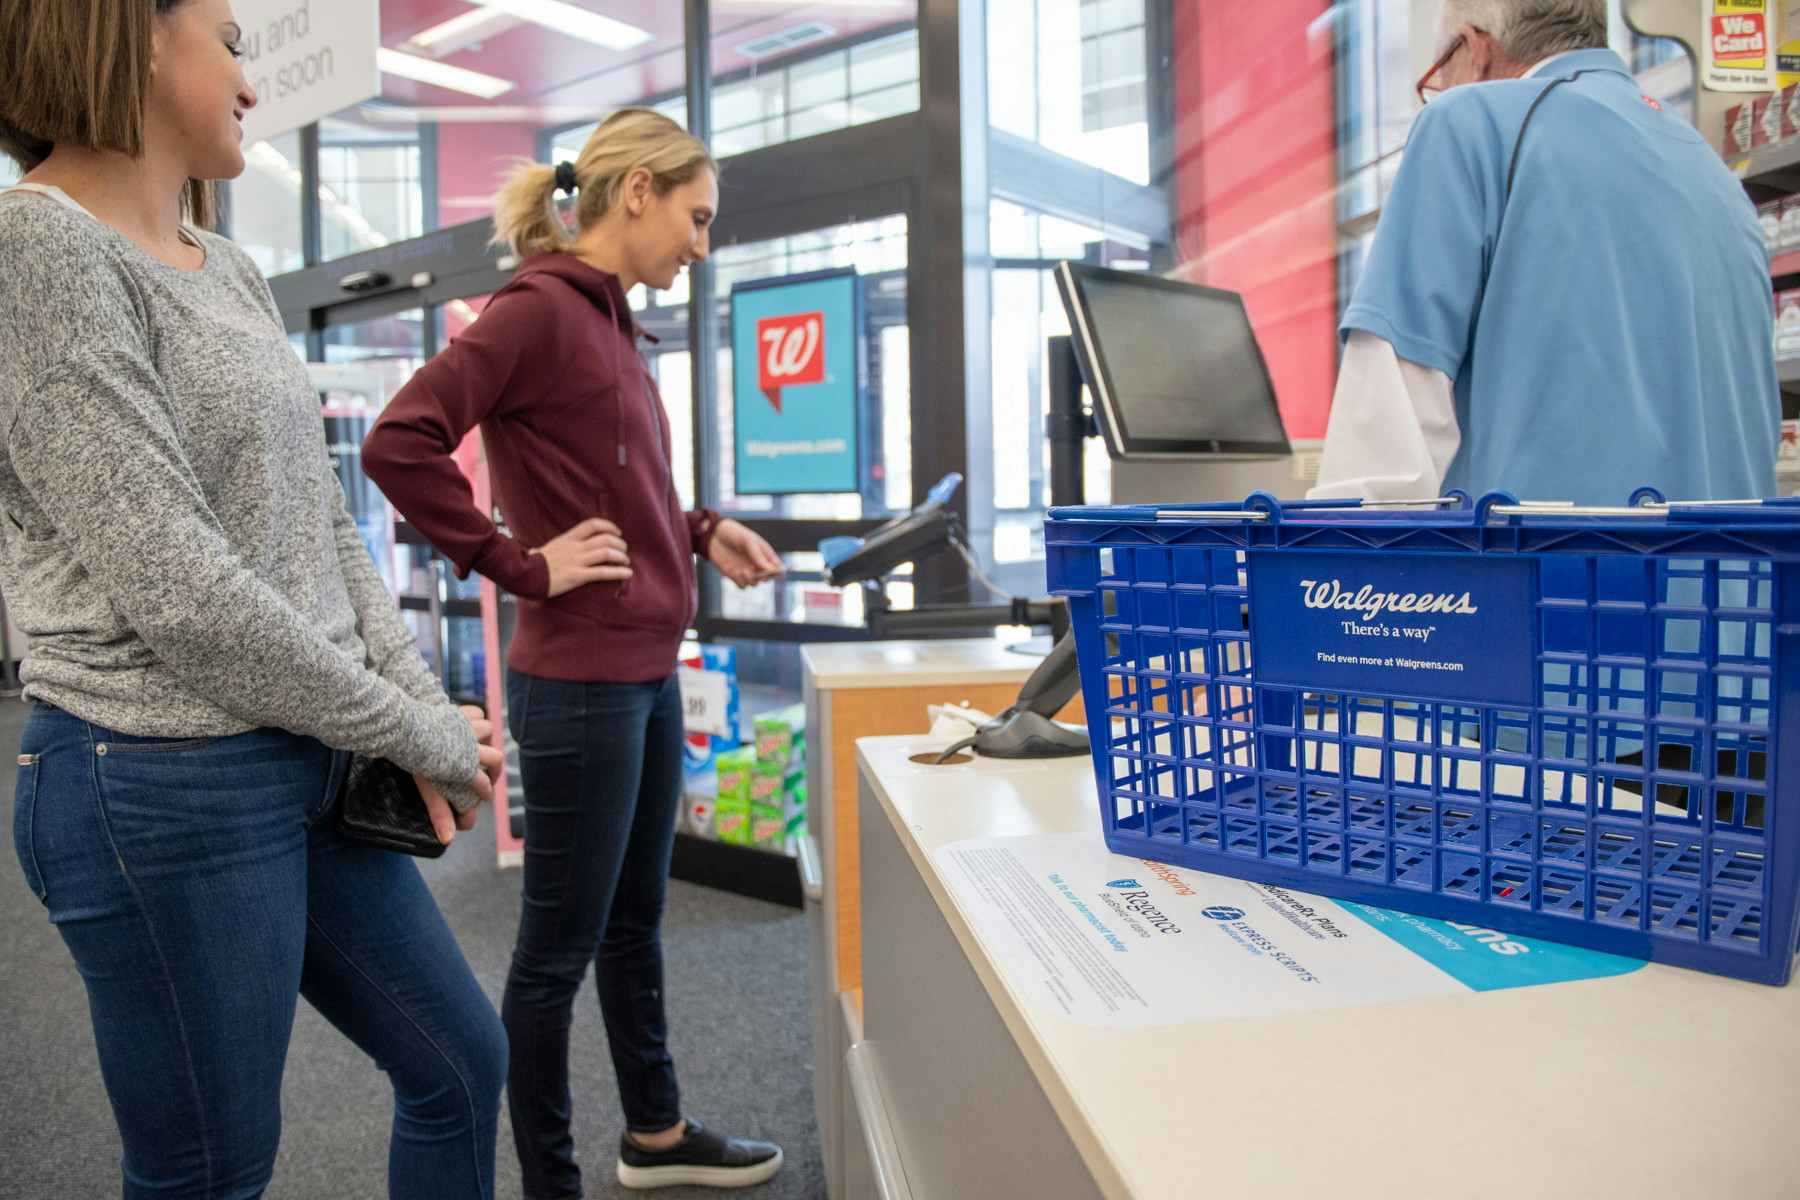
x: 209, y: 638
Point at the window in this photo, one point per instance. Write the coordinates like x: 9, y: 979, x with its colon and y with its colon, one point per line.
x: 806, y: 69
x: 1113, y: 64
x: 1026, y: 311
x: 1069, y: 108
x: 266, y: 205
x: 1037, y: 47
x: 371, y: 361
x: 371, y: 185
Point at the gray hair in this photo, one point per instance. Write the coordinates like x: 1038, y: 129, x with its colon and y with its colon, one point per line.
x: 1531, y: 30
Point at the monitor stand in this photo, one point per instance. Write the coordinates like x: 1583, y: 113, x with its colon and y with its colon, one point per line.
x: 1202, y: 480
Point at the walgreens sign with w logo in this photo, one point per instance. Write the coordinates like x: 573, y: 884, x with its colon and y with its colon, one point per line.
x: 791, y: 351
x: 796, y: 401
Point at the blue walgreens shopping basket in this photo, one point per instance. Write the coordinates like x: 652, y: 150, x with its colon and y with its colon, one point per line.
x: 1570, y: 723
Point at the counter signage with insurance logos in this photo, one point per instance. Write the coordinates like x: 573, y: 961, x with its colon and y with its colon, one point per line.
x: 795, y: 384
x: 1429, y: 626
x: 1098, y: 939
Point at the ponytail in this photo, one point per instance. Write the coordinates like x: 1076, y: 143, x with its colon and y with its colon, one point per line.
x: 526, y: 218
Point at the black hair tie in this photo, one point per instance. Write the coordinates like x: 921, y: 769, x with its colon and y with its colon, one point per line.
x: 565, y: 178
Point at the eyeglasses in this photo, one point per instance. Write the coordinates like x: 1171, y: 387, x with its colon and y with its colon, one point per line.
x: 1427, y: 87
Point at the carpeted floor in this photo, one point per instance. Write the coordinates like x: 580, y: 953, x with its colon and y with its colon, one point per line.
x: 739, y: 1029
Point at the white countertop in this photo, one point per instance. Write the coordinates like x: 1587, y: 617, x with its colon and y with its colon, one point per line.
x: 1657, y: 1083
x: 916, y: 664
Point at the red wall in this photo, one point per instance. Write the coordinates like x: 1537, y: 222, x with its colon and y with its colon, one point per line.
x: 473, y: 159
x: 1256, y: 179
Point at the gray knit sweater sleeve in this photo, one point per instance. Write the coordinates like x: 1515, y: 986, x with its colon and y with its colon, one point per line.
x: 175, y: 543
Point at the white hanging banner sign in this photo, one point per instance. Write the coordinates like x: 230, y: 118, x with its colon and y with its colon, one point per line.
x: 1739, y: 45
x: 307, y: 59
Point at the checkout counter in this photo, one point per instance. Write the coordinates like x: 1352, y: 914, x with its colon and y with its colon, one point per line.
x: 1008, y: 1049
x: 856, y: 690
x: 1003, y: 1008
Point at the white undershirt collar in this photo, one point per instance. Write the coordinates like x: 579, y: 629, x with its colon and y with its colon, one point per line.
x: 63, y: 198
x: 1544, y: 64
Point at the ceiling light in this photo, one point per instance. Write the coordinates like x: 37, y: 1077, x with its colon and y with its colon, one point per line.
x: 480, y: 114
x: 425, y: 70
x: 894, y: 6
x: 572, y: 20
x: 463, y: 30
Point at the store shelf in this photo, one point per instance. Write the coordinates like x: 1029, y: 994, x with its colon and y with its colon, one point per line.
x: 1769, y: 172
x: 1784, y: 265
x: 1788, y: 371
x: 452, y: 608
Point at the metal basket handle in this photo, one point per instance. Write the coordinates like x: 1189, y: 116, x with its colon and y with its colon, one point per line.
x: 1260, y: 506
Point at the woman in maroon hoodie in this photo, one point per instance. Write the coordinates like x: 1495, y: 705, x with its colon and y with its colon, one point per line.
x: 601, y: 558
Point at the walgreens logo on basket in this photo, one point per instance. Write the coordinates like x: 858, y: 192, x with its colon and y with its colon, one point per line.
x: 1331, y: 593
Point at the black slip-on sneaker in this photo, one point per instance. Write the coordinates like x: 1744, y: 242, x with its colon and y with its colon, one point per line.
x: 702, y: 1158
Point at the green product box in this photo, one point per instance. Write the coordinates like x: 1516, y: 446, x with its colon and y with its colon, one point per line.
x: 794, y: 808
x: 768, y: 827
x: 731, y: 821
x: 777, y: 733
x: 767, y: 782
x: 736, y: 767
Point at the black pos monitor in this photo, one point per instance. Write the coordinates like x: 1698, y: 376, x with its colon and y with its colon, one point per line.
x: 1174, y: 371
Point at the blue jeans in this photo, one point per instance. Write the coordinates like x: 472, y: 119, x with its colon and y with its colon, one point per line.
x: 202, y: 887
x: 602, y: 766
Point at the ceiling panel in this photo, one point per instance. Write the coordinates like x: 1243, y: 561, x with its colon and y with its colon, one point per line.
x: 549, y: 68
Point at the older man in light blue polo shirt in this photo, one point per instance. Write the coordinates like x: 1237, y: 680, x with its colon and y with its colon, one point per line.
x: 1568, y: 294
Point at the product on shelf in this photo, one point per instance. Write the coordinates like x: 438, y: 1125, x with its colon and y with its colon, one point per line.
x: 776, y: 732
x: 701, y: 807
x: 1765, y: 122
x: 731, y: 813
x: 768, y: 827
x: 755, y: 794
x: 1787, y: 116
x: 1787, y: 324
x: 1787, y: 460
x: 766, y: 779
x: 795, y: 811
x: 1789, y: 238
x: 1738, y: 121
x: 736, y: 767
x: 731, y: 823
x: 1769, y: 215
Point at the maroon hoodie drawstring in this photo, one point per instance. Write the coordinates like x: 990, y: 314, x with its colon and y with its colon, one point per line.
x: 612, y: 316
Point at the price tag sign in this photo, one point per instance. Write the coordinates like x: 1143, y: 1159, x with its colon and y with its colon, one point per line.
x: 704, y: 701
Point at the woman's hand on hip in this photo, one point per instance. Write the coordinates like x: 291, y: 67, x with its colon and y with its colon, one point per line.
x: 592, y: 552
x: 445, y: 821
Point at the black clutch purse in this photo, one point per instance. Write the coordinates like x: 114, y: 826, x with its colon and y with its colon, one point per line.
x: 381, y: 805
